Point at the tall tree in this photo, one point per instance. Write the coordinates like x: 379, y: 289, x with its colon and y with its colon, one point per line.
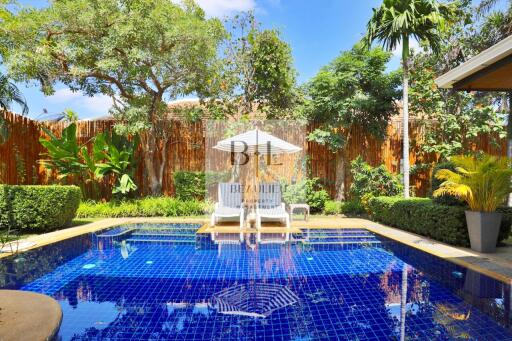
x: 353, y: 89
x: 141, y: 53
x: 395, y: 22
x: 255, y: 73
x: 452, y: 119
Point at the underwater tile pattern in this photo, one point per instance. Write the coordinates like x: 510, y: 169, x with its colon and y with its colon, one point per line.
x: 351, y: 291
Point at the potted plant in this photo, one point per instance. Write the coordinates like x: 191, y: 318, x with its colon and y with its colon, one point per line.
x: 483, y: 183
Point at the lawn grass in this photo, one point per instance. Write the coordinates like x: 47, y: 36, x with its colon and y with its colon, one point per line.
x: 83, y: 221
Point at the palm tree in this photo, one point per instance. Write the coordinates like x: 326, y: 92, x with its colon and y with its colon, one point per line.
x: 394, y: 23
x: 9, y: 94
x: 483, y: 182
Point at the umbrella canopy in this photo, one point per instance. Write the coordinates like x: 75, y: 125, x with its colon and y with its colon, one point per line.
x: 253, y: 299
x: 255, y: 140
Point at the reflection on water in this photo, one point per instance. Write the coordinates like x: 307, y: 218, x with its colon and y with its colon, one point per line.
x: 290, y: 292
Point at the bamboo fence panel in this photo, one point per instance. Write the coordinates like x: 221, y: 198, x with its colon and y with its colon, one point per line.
x: 20, y: 154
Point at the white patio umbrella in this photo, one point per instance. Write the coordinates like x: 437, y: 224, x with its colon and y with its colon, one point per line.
x: 256, y: 142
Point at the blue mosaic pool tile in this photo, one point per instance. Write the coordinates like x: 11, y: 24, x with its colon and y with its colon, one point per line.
x: 158, y: 291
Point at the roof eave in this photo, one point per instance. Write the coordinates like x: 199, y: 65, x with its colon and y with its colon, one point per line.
x: 475, y: 64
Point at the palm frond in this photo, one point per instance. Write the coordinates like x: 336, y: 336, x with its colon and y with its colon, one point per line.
x: 482, y: 182
x: 9, y: 94
x: 396, y: 20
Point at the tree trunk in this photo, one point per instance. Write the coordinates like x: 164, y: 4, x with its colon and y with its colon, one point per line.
x: 151, y: 163
x: 405, y: 62
x: 340, y: 175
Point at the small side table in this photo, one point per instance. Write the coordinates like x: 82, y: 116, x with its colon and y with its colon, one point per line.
x: 303, y: 207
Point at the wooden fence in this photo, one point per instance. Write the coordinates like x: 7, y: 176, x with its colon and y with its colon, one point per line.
x: 20, y: 153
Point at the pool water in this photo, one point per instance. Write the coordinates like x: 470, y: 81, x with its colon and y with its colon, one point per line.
x: 161, y: 282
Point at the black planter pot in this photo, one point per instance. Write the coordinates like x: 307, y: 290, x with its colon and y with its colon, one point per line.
x: 483, y: 229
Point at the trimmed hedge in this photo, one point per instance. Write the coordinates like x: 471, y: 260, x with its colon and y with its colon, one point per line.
x: 38, y: 208
x: 147, y: 207
x: 425, y: 217
x: 343, y: 207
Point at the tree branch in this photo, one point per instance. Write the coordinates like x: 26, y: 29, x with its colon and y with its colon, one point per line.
x: 112, y: 80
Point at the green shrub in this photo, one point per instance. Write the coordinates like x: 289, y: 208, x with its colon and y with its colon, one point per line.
x: 190, y: 185
x: 38, y: 208
x: 308, y: 191
x: 352, y: 207
x: 147, y: 207
x: 425, y: 217
x: 343, y: 207
x: 377, y: 181
x: 436, y: 183
x: 332, y: 207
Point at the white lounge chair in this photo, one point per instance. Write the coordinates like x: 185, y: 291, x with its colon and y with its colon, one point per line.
x: 230, y: 205
x: 270, y: 206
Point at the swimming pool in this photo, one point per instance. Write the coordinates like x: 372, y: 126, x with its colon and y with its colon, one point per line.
x: 161, y: 282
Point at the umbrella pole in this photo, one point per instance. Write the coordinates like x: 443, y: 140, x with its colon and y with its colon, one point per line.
x: 257, y: 178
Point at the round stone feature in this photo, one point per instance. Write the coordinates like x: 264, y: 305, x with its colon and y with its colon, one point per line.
x: 28, y: 316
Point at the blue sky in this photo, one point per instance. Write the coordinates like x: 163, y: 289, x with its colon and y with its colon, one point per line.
x: 316, y: 30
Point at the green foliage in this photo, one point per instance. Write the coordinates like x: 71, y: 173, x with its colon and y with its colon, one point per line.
x: 423, y: 216
x: 495, y: 23
x: 316, y: 200
x: 353, y: 89
x: 116, y: 155
x: 68, y: 158
x: 111, y: 154
x: 190, y: 185
x: 343, y: 207
x: 395, y: 21
x: 273, y: 72
x: 147, y: 207
x: 377, y: 181
x: 37, y: 208
x: 9, y: 94
x: 450, y: 119
x: 482, y: 182
x: 444, y: 199
x: 138, y: 52
x: 332, y: 207
x: 308, y: 191
x: 255, y: 73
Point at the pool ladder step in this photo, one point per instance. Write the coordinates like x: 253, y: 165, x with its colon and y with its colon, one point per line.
x: 161, y: 238
x: 340, y: 236
x: 375, y: 242
x: 159, y: 234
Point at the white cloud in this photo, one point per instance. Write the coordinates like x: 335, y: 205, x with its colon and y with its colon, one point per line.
x: 63, y: 96
x: 220, y: 8
x: 82, y: 104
